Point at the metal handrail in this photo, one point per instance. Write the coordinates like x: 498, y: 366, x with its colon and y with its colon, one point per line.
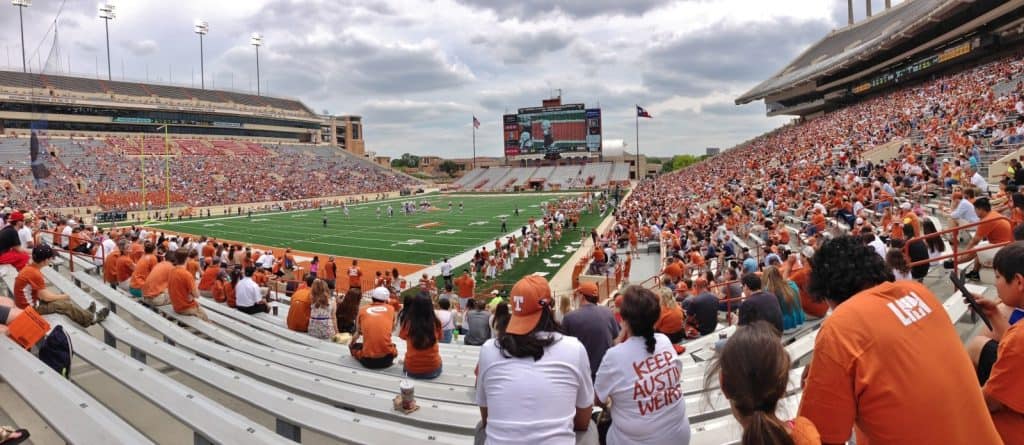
x: 955, y: 245
x: 71, y: 253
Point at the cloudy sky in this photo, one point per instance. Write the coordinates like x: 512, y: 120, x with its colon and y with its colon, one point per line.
x: 417, y: 70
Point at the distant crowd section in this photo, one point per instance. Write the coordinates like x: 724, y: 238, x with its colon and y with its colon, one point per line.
x: 109, y: 172
x: 562, y: 177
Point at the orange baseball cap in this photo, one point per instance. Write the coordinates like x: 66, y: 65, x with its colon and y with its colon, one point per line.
x: 589, y: 289
x: 526, y: 300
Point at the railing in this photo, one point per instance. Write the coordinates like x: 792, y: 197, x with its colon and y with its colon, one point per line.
x: 955, y: 256
x: 91, y: 258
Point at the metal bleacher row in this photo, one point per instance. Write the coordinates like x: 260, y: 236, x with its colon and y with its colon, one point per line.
x: 493, y: 179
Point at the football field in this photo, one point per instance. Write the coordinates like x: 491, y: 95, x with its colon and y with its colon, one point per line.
x: 416, y: 239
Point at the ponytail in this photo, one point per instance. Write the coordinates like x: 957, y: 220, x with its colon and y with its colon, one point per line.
x: 763, y: 428
x: 649, y: 341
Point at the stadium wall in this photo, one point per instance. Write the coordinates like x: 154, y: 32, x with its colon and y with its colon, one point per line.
x: 140, y: 215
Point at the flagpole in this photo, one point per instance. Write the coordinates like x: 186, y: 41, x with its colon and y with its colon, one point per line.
x: 636, y: 116
x: 142, y: 164
x: 474, y: 143
x: 167, y: 168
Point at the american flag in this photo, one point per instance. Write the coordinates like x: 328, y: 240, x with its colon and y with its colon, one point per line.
x: 640, y: 112
x: 476, y: 122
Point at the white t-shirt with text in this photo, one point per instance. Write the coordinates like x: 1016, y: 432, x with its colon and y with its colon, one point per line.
x: 647, y: 399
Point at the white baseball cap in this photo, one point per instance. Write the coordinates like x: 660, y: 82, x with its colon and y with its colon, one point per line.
x: 905, y: 206
x: 380, y: 294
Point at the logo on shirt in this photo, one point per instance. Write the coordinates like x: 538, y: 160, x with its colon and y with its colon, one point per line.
x: 909, y: 309
x: 376, y: 310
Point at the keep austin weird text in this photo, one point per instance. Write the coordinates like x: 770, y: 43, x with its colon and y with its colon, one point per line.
x: 657, y: 383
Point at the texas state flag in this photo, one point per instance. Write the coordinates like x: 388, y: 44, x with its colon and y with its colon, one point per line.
x: 641, y: 112
x: 476, y: 122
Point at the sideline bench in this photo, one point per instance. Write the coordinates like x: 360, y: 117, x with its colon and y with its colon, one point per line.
x: 75, y: 415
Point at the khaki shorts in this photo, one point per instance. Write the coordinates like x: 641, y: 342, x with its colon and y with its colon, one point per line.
x: 985, y: 257
x: 195, y: 311
x: 162, y: 299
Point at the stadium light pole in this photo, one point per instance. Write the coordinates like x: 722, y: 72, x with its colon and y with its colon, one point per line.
x: 257, y: 41
x: 107, y: 14
x: 22, y: 4
x: 201, y: 28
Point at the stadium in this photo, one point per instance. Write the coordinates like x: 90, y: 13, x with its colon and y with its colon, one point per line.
x: 213, y: 266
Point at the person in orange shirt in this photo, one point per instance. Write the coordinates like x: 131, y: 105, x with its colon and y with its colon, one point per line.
x: 298, y: 311
x: 181, y: 288
x: 142, y: 269
x: 998, y: 355
x: 137, y: 249
x: 192, y: 264
x: 753, y: 372
x: 817, y: 223
x: 673, y: 269
x: 110, y: 264
x: 329, y: 273
x: 994, y: 229
x: 670, y: 322
x: 209, y: 276
x: 218, y: 291
x: 355, y: 277
x: 45, y: 301
x: 801, y: 276
x: 421, y: 331
x: 154, y: 289
x: 374, y: 325
x: 909, y: 217
x: 465, y: 285
x: 124, y: 269
x: 872, y: 354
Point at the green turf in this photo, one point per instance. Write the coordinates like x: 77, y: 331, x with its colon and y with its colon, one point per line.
x: 363, y: 235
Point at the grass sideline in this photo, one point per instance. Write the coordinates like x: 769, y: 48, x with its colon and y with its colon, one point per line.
x: 421, y: 238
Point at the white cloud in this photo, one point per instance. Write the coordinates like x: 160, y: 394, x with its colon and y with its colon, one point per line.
x: 417, y: 70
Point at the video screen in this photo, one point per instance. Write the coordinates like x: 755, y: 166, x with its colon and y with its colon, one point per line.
x: 548, y: 130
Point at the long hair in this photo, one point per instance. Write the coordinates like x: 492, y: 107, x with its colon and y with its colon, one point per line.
x: 502, y: 315
x: 640, y: 311
x: 422, y: 322
x: 776, y: 284
x: 319, y: 294
x: 753, y: 369
x: 530, y: 344
x: 349, y: 307
x: 935, y: 243
x: 897, y: 261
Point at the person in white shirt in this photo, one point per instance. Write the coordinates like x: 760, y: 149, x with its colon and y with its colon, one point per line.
x: 248, y: 297
x: 172, y: 244
x: 964, y: 211
x: 25, y: 233
x: 979, y: 181
x: 534, y: 384
x: 446, y: 272
x: 109, y: 246
x: 641, y: 378
x: 266, y: 260
x: 875, y: 243
x: 65, y: 234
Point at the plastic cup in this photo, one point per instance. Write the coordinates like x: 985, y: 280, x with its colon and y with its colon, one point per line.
x: 408, y: 391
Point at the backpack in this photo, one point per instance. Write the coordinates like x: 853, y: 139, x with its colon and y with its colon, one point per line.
x: 56, y: 351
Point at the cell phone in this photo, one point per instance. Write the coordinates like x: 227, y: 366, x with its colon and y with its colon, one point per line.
x: 969, y: 297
